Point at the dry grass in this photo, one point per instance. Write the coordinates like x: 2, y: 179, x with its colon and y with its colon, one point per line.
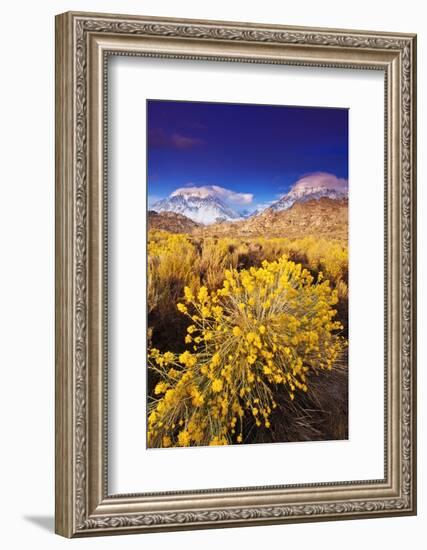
x: 178, y: 260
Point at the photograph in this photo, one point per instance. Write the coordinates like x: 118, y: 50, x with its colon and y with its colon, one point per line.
x: 247, y: 273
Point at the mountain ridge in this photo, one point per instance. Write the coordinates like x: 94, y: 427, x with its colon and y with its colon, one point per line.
x: 313, y: 187
x: 322, y: 217
x: 171, y: 222
x: 205, y: 205
x: 203, y: 210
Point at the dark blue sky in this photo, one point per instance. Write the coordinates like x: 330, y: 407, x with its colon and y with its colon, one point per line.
x: 258, y: 149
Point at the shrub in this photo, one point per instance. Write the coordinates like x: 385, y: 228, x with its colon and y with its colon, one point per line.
x: 261, y: 334
x: 215, y: 256
x: 171, y: 266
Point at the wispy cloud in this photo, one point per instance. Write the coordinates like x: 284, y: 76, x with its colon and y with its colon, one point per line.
x: 222, y: 193
x: 157, y: 137
x: 321, y: 179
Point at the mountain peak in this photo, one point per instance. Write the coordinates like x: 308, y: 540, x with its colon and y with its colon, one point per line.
x: 201, y: 207
x: 210, y: 204
x: 313, y: 187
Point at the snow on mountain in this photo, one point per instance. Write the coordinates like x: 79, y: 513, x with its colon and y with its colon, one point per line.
x: 313, y: 187
x: 211, y: 204
x: 202, y: 208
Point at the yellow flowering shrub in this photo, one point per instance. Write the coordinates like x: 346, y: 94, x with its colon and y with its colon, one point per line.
x: 177, y: 260
x: 260, y: 335
x: 330, y: 257
x: 171, y: 260
x: 321, y: 255
x: 216, y: 255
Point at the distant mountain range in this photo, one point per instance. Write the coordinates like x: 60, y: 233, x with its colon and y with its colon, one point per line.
x: 208, y: 209
x: 324, y: 217
x: 205, y: 210
x: 303, y: 193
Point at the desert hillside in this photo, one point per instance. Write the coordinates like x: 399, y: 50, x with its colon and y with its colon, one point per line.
x: 171, y: 222
x: 323, y: 218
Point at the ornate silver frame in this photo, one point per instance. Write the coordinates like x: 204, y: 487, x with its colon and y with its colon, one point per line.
x: 83, y: 42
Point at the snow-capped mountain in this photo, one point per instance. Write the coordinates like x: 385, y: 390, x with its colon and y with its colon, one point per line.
x: 210, y: 204
x: 206, y: 209
x: 313, y: 187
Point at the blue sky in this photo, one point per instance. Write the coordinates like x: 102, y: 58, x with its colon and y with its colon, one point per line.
x: 260, y: 150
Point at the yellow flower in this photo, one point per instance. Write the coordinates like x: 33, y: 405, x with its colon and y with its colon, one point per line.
x: 217, y: 385
x: 187, y: 359
x: 168, y: 357
x: 161, y: 387
x: 154, y: 352
x: 218, y: 441
x: 203, y: 294
x: 217, y: 311
x: 183, y: 438
x: 250, y: 337
x: 170, y: 396
x: 188, y: 294
x: 215, y: 359
x: 197, y: 398
x: 173, y: 373
x: 182, y: 308
x: 236, y: 331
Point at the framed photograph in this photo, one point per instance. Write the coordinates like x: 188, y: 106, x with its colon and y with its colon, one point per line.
x: 235, y: 274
